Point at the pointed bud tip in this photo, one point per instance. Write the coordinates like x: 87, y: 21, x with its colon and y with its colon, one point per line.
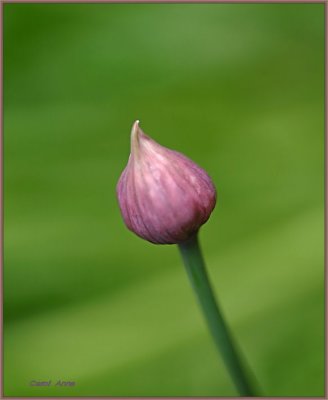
x: 135, y: 136
x: 135, y: 128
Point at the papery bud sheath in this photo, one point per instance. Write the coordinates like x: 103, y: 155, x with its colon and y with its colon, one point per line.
x: 164, y: 197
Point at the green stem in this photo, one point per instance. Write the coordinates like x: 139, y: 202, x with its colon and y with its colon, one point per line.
x: 195, y: 265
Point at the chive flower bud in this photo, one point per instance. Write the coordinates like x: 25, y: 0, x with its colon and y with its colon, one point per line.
x: 164, y: 197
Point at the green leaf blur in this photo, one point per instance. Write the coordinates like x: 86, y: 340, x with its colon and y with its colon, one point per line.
x: 239, y: 88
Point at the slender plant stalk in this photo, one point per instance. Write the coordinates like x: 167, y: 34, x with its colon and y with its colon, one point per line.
x: 195, y: 265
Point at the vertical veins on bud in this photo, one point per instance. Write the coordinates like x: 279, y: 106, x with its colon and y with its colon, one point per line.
x: 164, y: 196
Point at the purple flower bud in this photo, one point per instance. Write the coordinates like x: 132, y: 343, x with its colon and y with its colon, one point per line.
x: 164, y: 197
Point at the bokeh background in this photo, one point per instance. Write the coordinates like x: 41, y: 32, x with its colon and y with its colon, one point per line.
x: 239, y: 88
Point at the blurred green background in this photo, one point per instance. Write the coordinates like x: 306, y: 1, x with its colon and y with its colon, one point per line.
x: 239, y: 88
